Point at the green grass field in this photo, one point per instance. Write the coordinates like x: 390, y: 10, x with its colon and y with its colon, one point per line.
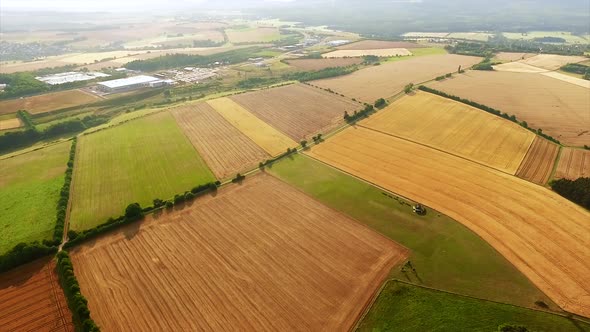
x: 134, y: 162
x: 446, y: 254
x: 418, y: 52
x: 29, y: 190
x: 403, y: 307
x: 568, y: 36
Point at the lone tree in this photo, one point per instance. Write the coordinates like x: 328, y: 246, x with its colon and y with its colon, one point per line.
x: 408, y: 88
x: 380, y: 103
x: 303, y: 143
x: 133, y: 211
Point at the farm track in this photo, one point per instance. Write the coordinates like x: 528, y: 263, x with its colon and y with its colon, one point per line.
x: 31, y: 299
x: 573, y: 164
x: 539, y: 161
x: 225, y: 149
x: 298, y: 110
x: 542, y: 234
x: 281, y: 261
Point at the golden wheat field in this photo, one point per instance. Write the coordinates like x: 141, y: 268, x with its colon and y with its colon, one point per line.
x: 543, y: 234
x: 455, y: 128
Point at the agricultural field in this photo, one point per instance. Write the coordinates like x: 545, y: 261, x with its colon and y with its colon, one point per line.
x: 445, y: 254
x: 383, y: 52
x: 552, y: 61
x: 47, y: 102
x: 224, y: 148
x: 519, y: 67
x: 136, y: 161
x: 388, y: 79
x: 10, y: 124
x: 568, y: 78
x: 31, y: 299
x: 268, y: 138
x: 477, y: 36
x: 401, y: 304
x: 298, y: 110
x: 544, y: 235
x: 539, y: 161
x: 378, y: 44
x: 455, y: 128
x: 30, y: 184
x: 254, y: 34
x: 568, y: 36
x: 319, y: 64
x: 560, y: 109
x: 280, y: 260
x: 509, y: 56
x: 573, y: 164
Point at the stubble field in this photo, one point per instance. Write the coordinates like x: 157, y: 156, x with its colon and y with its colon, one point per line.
x: 224, y: 148
x: 545, y: 236
x: 31, y: 299
x: 29, y: 190
x: 268, y: 138
x: 388, y: 79
x: 378, y: 44
x: 281, y: 261
x: 539, y: 161
x: 560, y: 109
x: 455, y: 128
x: 319, y: 64
x: 10, y: 124
x: 137, y: 161
x: 47, y: 102
x: 298, y: 110
x: 552, y: 61
x: 573, y: 164
x: 256, y: 34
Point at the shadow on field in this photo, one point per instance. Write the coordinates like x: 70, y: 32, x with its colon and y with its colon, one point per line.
x: 131, y: 230
x: 20, y: 275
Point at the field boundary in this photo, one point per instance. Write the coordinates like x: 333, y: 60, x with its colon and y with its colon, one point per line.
x: 556, y: 164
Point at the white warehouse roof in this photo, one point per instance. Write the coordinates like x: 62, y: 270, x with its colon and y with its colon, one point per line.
x: 141, y: 79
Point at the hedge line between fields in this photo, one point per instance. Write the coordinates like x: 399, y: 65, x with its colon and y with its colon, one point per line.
x: 76, y: 301
x: 64, y: 197
x: 489, y: 110
x: 24, y: 253
x: 135, y: 212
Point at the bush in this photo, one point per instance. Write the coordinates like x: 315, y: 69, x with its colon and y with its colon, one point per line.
x: 380, y: 103
x: 133, y: 211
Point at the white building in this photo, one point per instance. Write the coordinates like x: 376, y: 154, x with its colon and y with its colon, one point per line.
x: 126, y: 84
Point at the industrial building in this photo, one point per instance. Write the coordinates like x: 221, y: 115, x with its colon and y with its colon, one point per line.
x: 132, y: 83
x: 69, y: 77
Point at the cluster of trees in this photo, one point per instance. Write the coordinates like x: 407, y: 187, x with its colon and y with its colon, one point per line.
x: 489, y: 110
x: 134, y: 212
x: 360, y: 114
x: 282, y: 155
x: 408, y: 88
x: 370, y: 59
x: 16, y: 139
x: 25, y: 117
x: 442, y: 77
x: 239, y: 178
x: 380, y: 103
x: 577, y: 68
x: 320, y: 74
x: 21, y: 84
x: 577, y: 191
x: 76, y: 301
x: 64, y: 197
x: 317, y: 138
x: 512, y: 328
x: 24, y: 253
x: 184, y: 60
x: 485, y: 64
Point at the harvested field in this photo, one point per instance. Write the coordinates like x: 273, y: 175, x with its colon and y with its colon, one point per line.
x: 384, y: 81
x: 455, y: 128
x: 377, y: 44
x: 10, y: 124
x: 519, y: 67
x: 539, y: 161
x: 47, y: 102
x: 30, y: 185
x: 508, y: 56
x: 31, y: 299
x: 261, y: 256
x: 557, y: 107
x: 569, y: 79
x: 136, y: 161
x: 249, y: 35
x: 224, y: 148
x: 384, y: 52
x: 319, y: 64
x: 573, y: 164
x: 552, y: 61
x: 298, y: 110
x: 544, y: 235
x: 268, y: 138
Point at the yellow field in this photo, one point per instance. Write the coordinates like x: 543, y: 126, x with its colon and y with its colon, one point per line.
x: 455, y: 128
x: 543, y: 234
x: 10, y: 124
x: 268, y: 138
x: 386, y: 52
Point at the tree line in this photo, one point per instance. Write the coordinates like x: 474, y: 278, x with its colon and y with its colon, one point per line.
x: 24, y: 253
x: 357, y: 115
x: 577, y: 68
x: 76, y: 301
x: 134, y: 212
x: 577, y: 191
x: 489, y: 110
x: 64, y: 197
